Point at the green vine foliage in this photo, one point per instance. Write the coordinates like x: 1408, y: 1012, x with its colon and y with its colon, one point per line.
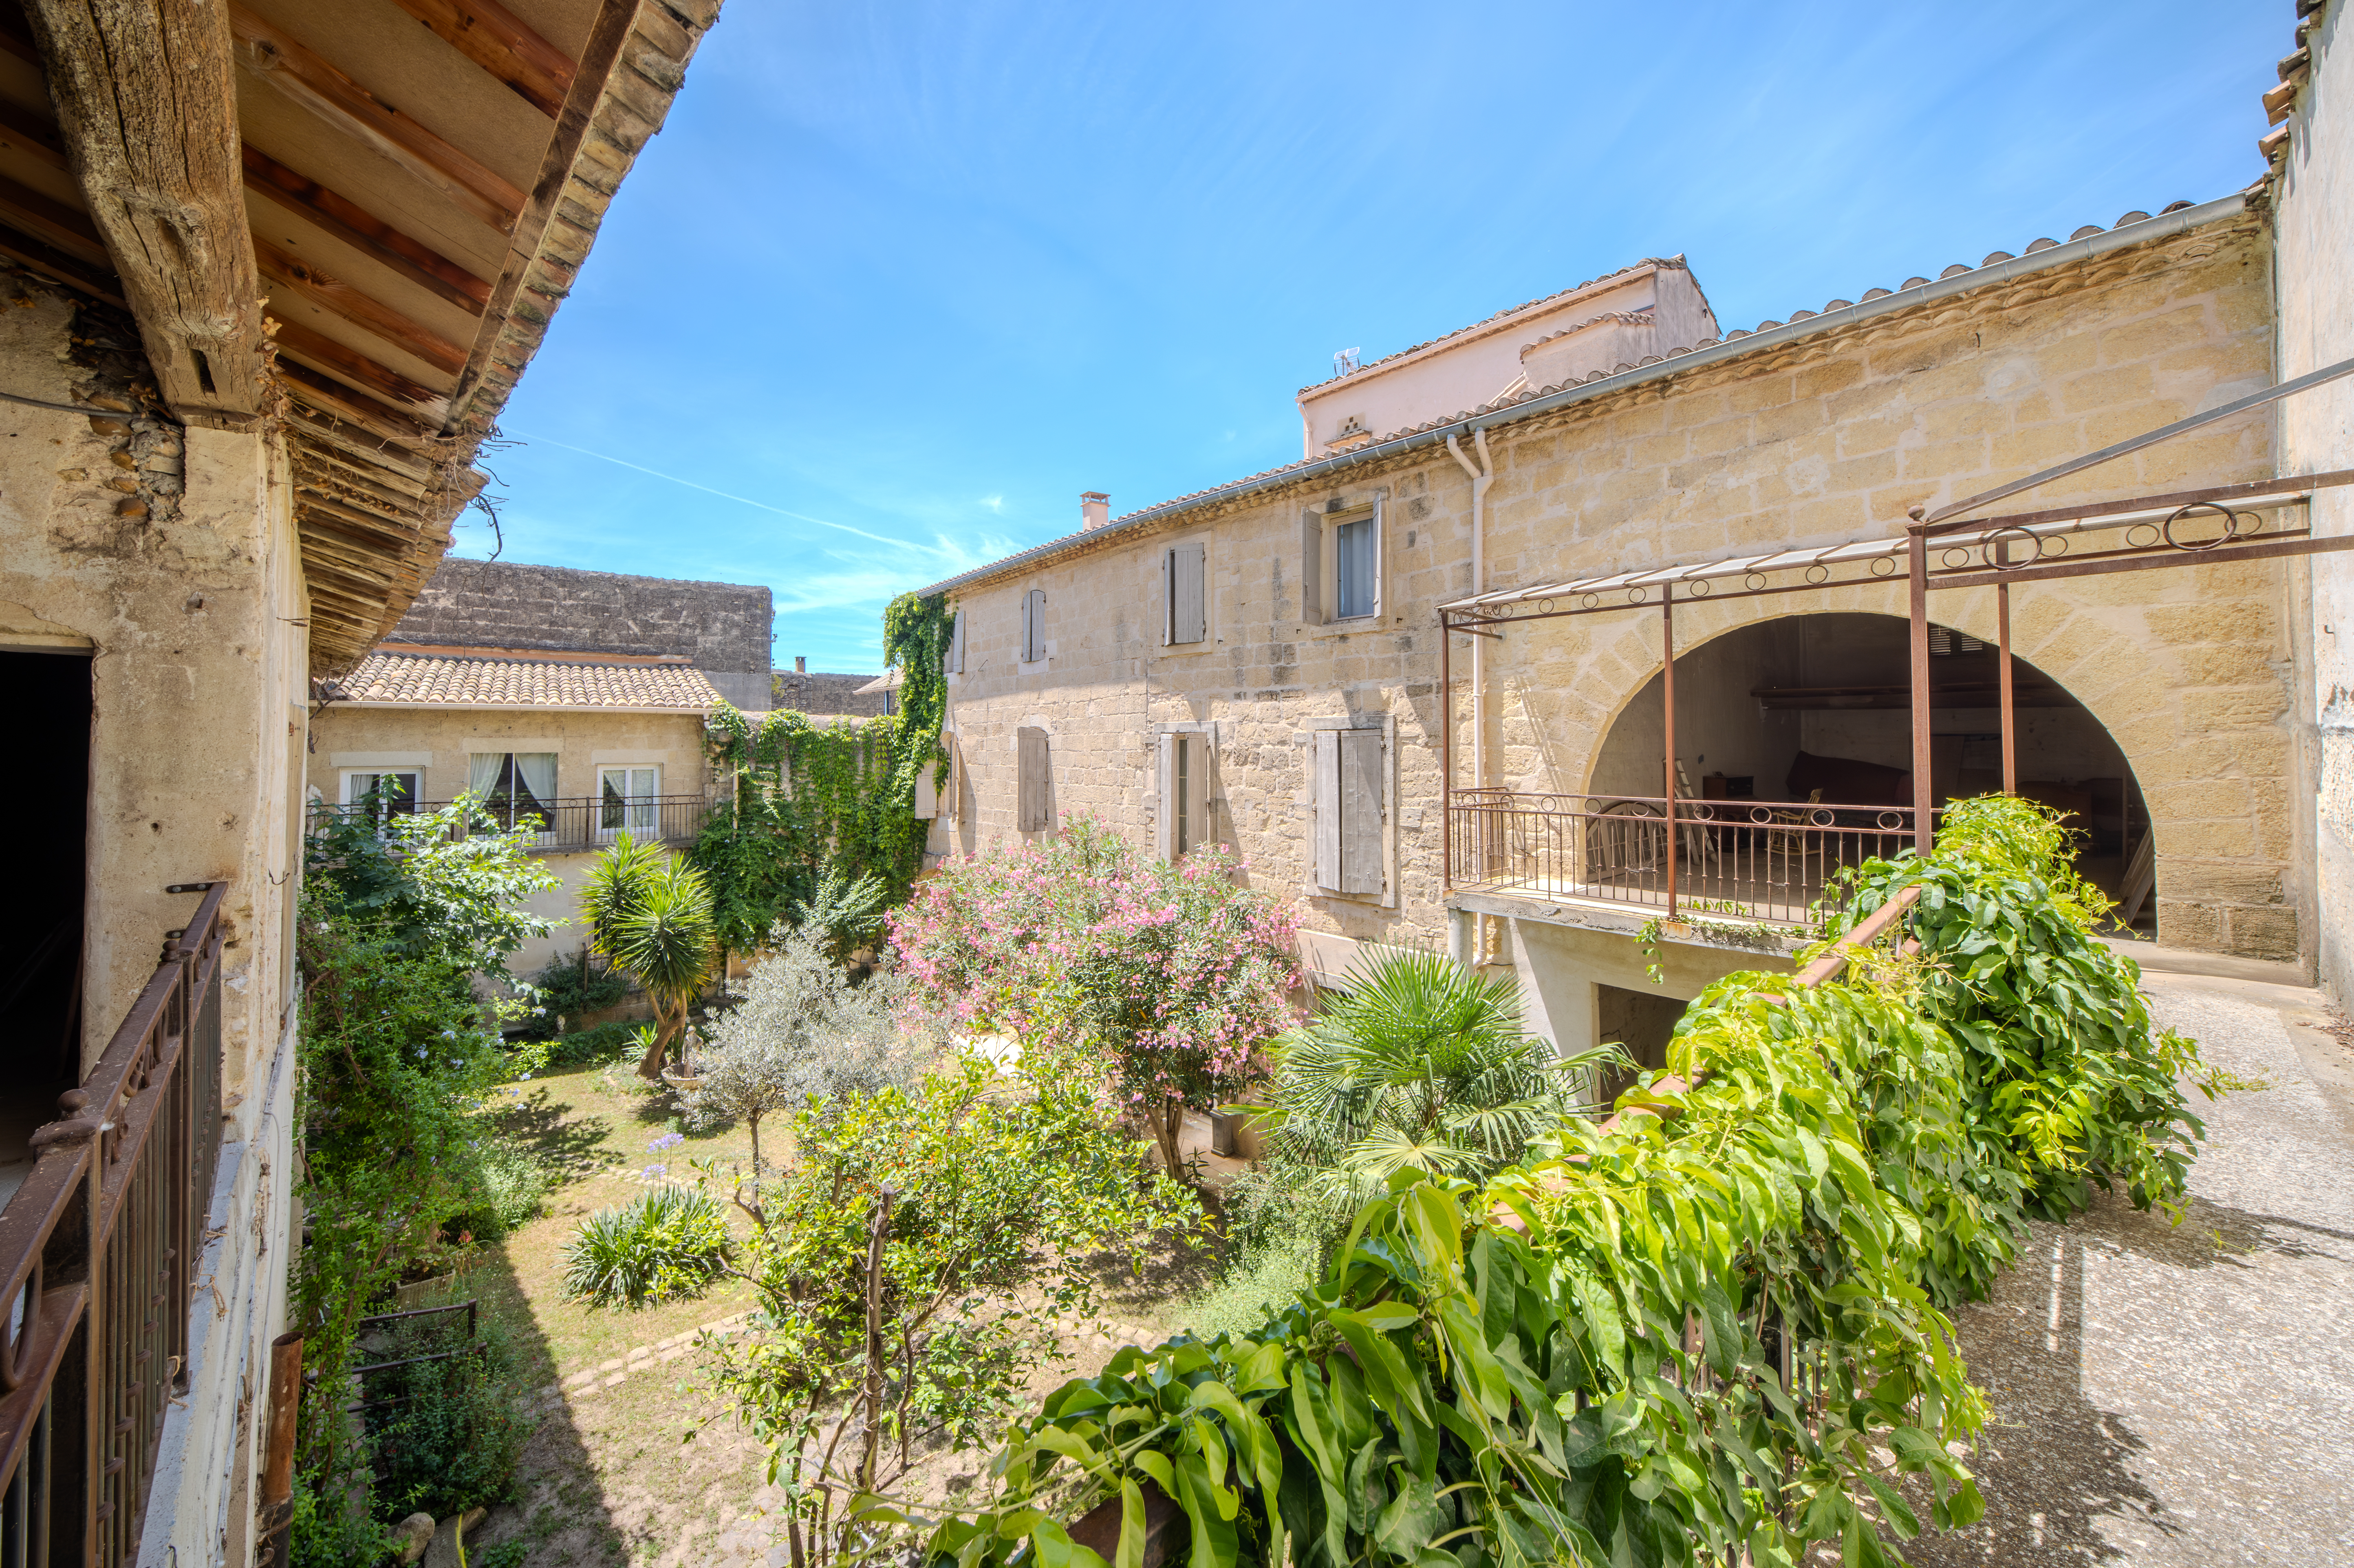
x: 801, y: 799
x: 1713, y: 1330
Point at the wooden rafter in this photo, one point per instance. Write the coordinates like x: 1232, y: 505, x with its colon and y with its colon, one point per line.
x: 363, y: 231
x: 323, y: 392
x: 51, y: 221
x: 503, y: 44
x: 322, y: 353
x: 34, y: 135
x: 88, y: 278
x: 145, y: 97
x: 338, y: 298
x: 328, y: 428
x: 278, y: 59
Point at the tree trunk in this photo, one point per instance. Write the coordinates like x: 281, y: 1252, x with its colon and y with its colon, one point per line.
x: 650, y: 1066
x: 1167, y: 1121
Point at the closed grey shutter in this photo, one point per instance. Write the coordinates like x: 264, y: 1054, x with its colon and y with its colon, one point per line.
x: 956, y: 645
x: 1034, y: 627
x: 1164, y: 828
x: 1311, y: 567
x: 1361, y: 810
x: 1188, y: 617
x: 1033, y: 815
x: 1325, y: 799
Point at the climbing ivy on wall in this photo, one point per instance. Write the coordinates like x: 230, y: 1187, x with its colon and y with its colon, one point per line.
x: 799, y: 797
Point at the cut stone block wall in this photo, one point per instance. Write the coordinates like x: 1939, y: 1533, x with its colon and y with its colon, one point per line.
x: 1824, y: 440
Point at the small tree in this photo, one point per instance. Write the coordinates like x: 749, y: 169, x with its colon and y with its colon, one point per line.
x: 651, y: 915
x: 800, y: 1032
x: 1171, y: 977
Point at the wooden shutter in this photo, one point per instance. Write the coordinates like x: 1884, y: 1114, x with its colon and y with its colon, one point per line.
x: 953, y: 807
x: 1188, y: 612
x: 1034, y: 815
x: 1361, y: 810
x: 927, y: 793
x: 1164, y: 820
x: 1168, y: 598
x: 1325, y: 792
x: 954, y: 663
x: 1311, y: 567
x: 1033, y: 626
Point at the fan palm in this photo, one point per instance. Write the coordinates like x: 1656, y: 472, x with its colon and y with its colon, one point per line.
x: 1422, y: 1063
x: 652, y: 916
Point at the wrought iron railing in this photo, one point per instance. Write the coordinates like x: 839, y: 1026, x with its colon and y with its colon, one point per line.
x: 98, y: 1254
x: 1743, y: 860
x: 575, y: 823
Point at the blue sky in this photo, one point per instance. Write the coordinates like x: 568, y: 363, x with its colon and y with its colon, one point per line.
x: 898, y: 280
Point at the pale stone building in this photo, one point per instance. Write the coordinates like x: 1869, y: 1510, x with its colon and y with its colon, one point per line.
x: 1260, y: 664
x: 257, y: 323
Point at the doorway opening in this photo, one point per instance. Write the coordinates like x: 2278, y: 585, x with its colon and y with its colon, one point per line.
x: 41, y: 929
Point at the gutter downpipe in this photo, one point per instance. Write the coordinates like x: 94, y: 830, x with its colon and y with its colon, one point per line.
x: 1483, y: 475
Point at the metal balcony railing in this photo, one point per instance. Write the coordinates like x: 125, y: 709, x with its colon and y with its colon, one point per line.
x: 577, y: 824
x: 98, y: 1255
x: 1743, y: 860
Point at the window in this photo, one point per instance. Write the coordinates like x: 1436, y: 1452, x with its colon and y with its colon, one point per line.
x: 953, y: 662
x: 628, y: 800
x: 398, y: 790
x: 1341, y: 562
x: 1035, y: 811
x: 1352, y: 805
x: 1182, y: 821
x: 515, y: 786
x: 1034, y: 627
x: 1184, y: 595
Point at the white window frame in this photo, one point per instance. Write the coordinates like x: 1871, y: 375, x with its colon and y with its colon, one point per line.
x: 353, y: 790
x: 1195, y: 745
x: 1320, y: 562
x: 1321, y: 795
x: 641, y: 814
x: 1165, y: 572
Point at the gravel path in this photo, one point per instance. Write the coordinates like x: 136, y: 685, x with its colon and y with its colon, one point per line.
x: 2168, y: 1395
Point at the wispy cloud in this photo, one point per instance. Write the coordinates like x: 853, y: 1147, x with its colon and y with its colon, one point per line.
x: 996, y: 505
x: 724, y: 495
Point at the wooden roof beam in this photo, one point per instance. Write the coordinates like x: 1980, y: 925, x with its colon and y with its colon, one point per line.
x: 278, y: 59
x: 503, y: 44
x: 91, y: 278
x: 340, y: 299
x: 325, y: 354
x: 325, y: 394
x: 326, y: 427
x: 147, y: 97
x: 364, y: 231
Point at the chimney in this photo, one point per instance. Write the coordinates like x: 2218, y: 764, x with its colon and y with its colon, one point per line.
x: 801, y: 663
x: 1094, y: 509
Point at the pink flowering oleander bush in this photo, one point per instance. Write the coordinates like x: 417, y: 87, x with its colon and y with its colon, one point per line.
x: 1167, y: 979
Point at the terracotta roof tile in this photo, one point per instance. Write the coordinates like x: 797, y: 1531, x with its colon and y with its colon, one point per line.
x: 461, y: 683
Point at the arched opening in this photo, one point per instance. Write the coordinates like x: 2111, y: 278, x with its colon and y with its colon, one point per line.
x: 1796, y: 734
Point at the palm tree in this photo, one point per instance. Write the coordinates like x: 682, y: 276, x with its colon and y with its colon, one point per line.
x: 652, y: 916
x: 1422, y: 1063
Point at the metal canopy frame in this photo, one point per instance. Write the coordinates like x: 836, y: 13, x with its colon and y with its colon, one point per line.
x: 2194, y: 527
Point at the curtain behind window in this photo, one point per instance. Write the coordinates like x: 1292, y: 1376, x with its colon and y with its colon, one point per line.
x: 482, y: 770
x: 535, y: 772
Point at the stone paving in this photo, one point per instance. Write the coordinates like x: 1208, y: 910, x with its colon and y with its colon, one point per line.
x: 2183, y: 1396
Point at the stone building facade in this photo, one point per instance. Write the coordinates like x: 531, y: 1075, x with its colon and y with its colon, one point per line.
x: 1818, y: 431
x: 722, y: 628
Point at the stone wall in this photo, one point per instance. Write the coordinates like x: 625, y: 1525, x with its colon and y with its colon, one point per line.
x: 723, y: 626
x: 1826, y: 439
x: 2315, y: 206
x: 814, y: 692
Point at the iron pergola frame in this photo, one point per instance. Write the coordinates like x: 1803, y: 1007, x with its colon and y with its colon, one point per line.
x: 2208, y: 527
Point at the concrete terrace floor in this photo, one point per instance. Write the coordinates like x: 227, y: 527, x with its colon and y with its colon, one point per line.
x: 2184, y: 1396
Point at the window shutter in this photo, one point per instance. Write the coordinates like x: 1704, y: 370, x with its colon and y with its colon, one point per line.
x: 1361, y: 810
x: 1033, y: 815
x: 1188, y: 613
x: 954, y: 663
x: 1021, y: 650
x: 928, y: 792
x: 951, y: 807
x: 1311, y: 567
x: 1168, y: 598
x: 1164, y: 814
x: 1325, y: 800
x: 1033, y: 626
x: 1381, y: 549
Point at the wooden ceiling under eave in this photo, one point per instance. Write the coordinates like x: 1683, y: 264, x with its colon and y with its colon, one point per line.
x: 421, y: 180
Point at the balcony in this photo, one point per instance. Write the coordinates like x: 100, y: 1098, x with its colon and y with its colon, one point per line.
x: 1751, y: 861
x: 98, y: 1248
x: 576, y: 825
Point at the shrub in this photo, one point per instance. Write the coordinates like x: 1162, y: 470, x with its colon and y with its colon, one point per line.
x: 512, y: 1191
x: 596, y: 1047
x: 1171, y: 977
x: 451, y: 1432
x: 661, y: 1245
x: 799, y: 1030
x: 569, y: 987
